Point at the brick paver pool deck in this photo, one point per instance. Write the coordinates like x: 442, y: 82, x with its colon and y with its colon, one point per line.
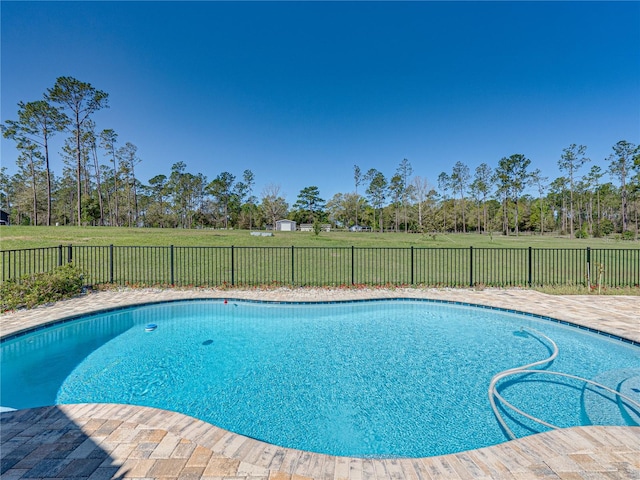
x: 99, y: 441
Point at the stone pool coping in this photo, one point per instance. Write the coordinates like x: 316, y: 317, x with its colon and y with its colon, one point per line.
x: 108, y: 441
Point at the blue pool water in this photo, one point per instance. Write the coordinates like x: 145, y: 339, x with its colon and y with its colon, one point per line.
x: 381, y: 378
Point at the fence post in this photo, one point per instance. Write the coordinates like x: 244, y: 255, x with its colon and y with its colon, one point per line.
x: 233, y: 277
x: 411, y: 264
x: 530, y: 266
x: 292, y: 268
x: 589, y: 267
x: 59, y: 255
x: 471, y: 266
x: 171, y: 265
x: 69, y: 254
x: 353, y: 261
x: 111, y: 263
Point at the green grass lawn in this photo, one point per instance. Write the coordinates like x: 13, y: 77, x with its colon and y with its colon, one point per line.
x: 18, y: 237
x: 289, y: 258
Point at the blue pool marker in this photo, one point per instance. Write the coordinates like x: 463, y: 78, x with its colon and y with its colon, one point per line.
x: 151, y: 327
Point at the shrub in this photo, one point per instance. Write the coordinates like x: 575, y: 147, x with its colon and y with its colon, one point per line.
x: 317, y: 228
x: 40, y: 288
x: 628, y: 235
x: 582, y: 233
x: 606, y: 227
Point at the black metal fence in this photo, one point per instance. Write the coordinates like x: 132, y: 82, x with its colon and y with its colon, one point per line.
x: 333, y: 266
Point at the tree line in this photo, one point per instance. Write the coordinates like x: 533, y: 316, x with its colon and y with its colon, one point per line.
x: 99, y: 186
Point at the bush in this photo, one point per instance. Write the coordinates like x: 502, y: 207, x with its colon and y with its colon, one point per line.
x: 606, y: 227
x: 628, y: 235
x: 582, y: 233
x: 40, y: 288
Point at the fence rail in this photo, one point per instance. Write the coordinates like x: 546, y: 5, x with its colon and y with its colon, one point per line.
x: 332, y: 266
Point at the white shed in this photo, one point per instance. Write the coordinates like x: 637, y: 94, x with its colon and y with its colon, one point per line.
x: 286, y: 225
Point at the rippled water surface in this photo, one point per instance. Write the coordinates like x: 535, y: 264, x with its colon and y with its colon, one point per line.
x: 371, y: 378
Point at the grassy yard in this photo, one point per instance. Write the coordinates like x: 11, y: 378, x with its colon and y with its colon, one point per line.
x: 143, y: 257
x: 18, y: 237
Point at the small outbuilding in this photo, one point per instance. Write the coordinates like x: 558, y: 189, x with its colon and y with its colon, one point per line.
x: 285, y: 225
x: 308, y: 227
x: 4, y: 218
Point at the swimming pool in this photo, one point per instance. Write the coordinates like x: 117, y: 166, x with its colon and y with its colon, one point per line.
x: 371, y: 378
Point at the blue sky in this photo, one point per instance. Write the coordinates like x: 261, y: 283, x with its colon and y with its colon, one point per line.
x: 299, y: 92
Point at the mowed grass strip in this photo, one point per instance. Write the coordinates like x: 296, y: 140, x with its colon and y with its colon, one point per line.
x: 18, y: 237
x: 333, y: 266
x: 206, y: 258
